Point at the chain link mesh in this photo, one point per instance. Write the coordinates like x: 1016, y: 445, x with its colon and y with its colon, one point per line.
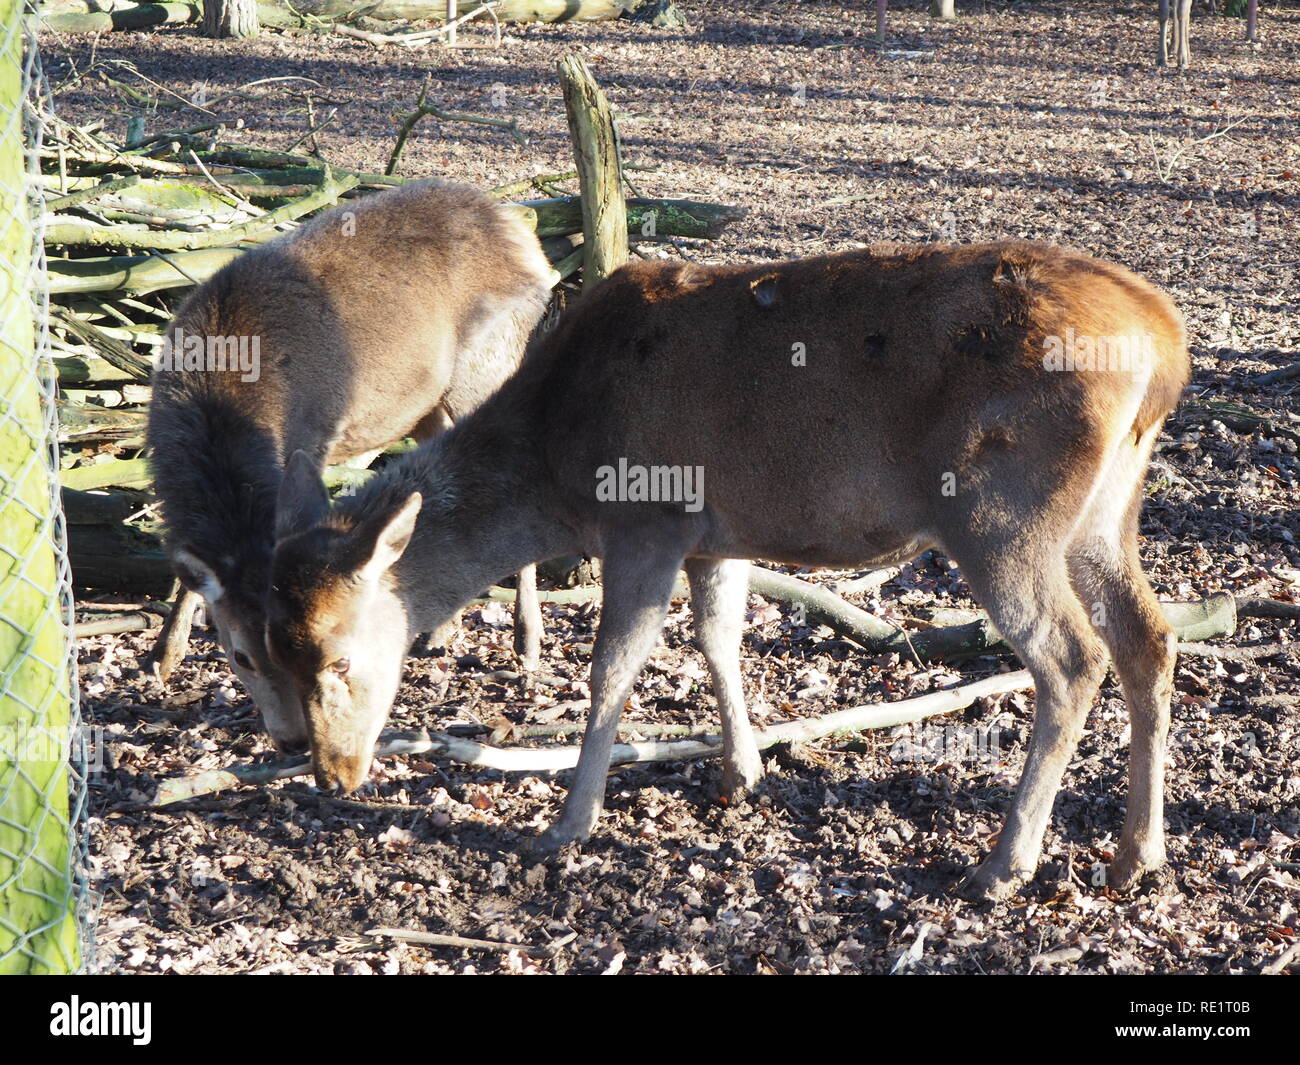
x: 46, y: 911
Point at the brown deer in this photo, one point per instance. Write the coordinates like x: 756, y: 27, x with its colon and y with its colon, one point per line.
x: 391, y: 315
x: 999, y: 402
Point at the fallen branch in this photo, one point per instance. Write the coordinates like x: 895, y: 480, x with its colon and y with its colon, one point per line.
x: 1238, y: 654
x: 137, y: 274
x: 438, y: 939
x: 115, y: 624
x: 825, y: 607
x: 666, y: 218
x: 1258, y: 607
x: 562, y: 216
x: 174, y: 639
x: 1274, y: 376
x: 868, y: 583
x: 973, y: 633
x: 551, y: 759
x: 417, y: 38
x: 77, y: 232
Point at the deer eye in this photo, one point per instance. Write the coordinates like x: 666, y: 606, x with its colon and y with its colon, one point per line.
x: 244, y: 662
x: 341, y: 666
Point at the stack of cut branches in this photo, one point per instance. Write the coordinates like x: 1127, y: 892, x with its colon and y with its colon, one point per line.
x: 131, y: 228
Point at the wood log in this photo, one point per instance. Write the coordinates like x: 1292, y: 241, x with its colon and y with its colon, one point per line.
x: 133, y: 17
x: 141, y: 274
x: 396, y: 10
x: 79, y: 425
x: 88, y: 371
x: 262, y: 228
x: 105, y: 552
x: 118, y: 473
x: 672, y: 218
x: 600, y: 175
x: 138, y: 274
x: 963, y: 634
x: 436, y: 10
x: 823, y: 606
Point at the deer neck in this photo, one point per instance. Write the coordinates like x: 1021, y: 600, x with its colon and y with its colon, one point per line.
x: 484, y: 515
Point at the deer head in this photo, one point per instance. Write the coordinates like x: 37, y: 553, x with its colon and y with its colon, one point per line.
x: 336, y: 623
x: 234, y: 603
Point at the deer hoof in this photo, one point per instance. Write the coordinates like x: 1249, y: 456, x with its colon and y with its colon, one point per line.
x: 553, y: 840
x: 1130, y: 866
x: 739, y: 781
x: 988, y: 882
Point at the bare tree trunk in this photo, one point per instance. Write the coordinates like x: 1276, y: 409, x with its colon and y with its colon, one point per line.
x: 1252, y: 15
x: 230, y: 18
x: 880, y: 20
x: 943, y: 8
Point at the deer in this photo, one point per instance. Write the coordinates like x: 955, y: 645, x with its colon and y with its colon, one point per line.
x: 853, y: 409
x: 395, y: 314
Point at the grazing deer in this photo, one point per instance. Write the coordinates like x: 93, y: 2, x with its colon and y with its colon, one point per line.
x: 848, y: 410
x: 391, y: 315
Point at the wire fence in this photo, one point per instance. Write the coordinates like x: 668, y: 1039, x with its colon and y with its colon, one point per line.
x: 46, y: 911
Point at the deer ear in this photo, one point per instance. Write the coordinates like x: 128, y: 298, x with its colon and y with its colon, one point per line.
x: 303, y: 500
x: 391, y: 534
x: 197, y: 575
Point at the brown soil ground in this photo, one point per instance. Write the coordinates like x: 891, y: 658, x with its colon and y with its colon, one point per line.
x: 1045, y: 121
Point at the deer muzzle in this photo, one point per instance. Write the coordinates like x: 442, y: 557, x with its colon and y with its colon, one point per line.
x: 339, y: 771
x: 342, y: 738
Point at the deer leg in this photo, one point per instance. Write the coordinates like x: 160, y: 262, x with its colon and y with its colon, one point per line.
x: 528, y: 619
x: 638, y: 582
x: 1033, y: 604
x: 1124, y: 611
x: 1162, y: 53
x: 1183, y: 23
x: 432, y: 424
x: 174, y: 638
x: 718, y: 591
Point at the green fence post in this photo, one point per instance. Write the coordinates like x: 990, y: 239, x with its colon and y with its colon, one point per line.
x: 38, y: 921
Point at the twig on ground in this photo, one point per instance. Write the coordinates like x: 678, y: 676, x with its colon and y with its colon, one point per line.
x: 551, y: 759
x: 1237, y: 654
x: 1165, y: 172
x: 423, y: 108
x: 1259, y: 607
x: 437, y: 939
